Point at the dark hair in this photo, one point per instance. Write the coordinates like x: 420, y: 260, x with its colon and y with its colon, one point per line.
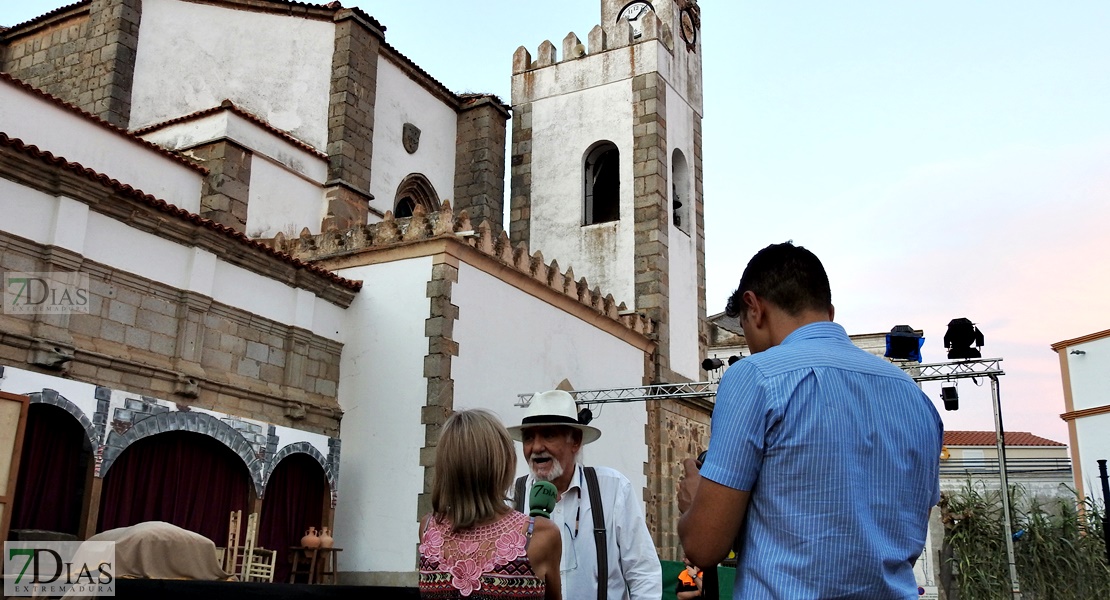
x: 788, y: 276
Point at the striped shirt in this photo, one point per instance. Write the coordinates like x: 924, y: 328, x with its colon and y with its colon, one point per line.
x: 840, y: 451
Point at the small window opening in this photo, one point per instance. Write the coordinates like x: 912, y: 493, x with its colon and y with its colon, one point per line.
x: 602, y: 184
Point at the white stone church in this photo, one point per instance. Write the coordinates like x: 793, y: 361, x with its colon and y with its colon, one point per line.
x: 294, y: 269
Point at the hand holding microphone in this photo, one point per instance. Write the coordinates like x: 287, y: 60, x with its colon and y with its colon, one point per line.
x: 542, y: 498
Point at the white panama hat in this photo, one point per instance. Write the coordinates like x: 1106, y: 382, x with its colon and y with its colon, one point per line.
x: 553, y: 408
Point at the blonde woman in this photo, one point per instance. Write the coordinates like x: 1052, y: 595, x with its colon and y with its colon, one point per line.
x: 473, y: 545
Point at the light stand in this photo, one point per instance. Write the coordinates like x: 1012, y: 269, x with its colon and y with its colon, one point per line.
x: 990, y: 368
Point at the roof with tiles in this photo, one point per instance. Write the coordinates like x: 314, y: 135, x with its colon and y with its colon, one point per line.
x: 230, y: 106
x: 986, y: 438
x: 5, y: 77
x: 171, y: 210
x: 44, y: 17
x: 445, y: 224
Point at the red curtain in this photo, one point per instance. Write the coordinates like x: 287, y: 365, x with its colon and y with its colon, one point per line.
x: 51, y: 480
x: 294, y: 501
x: 187, y: 479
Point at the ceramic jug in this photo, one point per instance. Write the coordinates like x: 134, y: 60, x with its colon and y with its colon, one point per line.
x: 310, y: 539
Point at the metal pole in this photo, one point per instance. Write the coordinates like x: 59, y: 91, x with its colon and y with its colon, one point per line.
x: 1000, y: 442
x: 1105, y: 506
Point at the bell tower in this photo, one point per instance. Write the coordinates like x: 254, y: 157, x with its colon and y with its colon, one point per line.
x: 607, y: 166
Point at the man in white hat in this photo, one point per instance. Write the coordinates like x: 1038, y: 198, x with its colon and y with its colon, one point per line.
x: 553, y: 438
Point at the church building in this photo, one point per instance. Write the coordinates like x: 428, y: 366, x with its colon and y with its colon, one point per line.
x: 288, y: 256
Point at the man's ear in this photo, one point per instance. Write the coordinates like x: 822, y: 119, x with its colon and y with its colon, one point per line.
x: 755, y: 307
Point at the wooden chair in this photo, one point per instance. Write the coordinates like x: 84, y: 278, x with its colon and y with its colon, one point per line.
x: 230, y: 559
x: 258, y: 563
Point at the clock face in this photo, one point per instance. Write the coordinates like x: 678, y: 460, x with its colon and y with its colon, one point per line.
x: 634, y: 11
x: 689, y: 31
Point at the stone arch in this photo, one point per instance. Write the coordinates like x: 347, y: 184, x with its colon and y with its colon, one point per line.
x: 415, y: 189
x: 299, y: 448
x: 189, y: 422
x: 601, y: 183
x: 53, y: 398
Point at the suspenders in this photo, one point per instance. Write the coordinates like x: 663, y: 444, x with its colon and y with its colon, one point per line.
x: 599, y: 524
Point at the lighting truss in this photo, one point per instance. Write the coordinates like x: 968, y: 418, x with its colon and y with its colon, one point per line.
x: 662, y: 391
x: 954, y: 369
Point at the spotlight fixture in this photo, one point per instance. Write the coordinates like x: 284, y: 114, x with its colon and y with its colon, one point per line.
x: 903, y: 343
x: 959, y: 338
x: 713, y: 363
x: 950, y: 396
x: 585, y: 415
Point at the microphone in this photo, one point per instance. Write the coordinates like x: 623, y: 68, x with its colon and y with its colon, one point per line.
x: 542, y: 499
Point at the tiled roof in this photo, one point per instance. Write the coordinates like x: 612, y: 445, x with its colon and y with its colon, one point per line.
x: 986, y: 438
x: 44, y: 17
x: 169, y: 209
x: 101, y: 122
x: 228, y: 105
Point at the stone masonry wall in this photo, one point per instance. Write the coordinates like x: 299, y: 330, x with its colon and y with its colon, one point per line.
x: 227, y: 187
x: 354, y: 84
x: 520, y: 199
x: 85, y: 56
x: 480, y: 160
x: 676, y: 431
x: 150, y: 339
x: 49, y: 57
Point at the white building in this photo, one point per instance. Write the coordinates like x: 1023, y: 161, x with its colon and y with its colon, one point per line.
x: 1083, y: 371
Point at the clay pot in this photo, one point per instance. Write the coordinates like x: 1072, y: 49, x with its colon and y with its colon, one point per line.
x: 310, y: 539
x: 325, y: 538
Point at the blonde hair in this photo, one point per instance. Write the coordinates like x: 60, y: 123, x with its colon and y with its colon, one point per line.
x: 475, y: 464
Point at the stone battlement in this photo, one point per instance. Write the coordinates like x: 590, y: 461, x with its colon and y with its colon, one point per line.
x: 445, y: 223
x: 650, y: 28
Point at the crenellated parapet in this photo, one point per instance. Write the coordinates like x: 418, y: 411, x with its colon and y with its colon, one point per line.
x: 621, y: 34
x: 391, y: 232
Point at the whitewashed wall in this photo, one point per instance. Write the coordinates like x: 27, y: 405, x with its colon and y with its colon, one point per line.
x: 682, y: 247
x: 64, y: 133
x: 192, y: 56
x: 382, y: 390
x: 67, y: 223
x: 602, y: 253
x: 282, y: 202
x: 401, y: 100
x: 511, y: 342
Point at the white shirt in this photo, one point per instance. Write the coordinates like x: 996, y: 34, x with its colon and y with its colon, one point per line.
x: 634, y: 569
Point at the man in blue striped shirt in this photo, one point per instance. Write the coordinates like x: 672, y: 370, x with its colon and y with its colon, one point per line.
x: 823, y: 462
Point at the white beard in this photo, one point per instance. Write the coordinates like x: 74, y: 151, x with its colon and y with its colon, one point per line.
x: 553, y: 473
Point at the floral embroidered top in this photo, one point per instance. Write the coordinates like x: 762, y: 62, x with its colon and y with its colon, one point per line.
x: 485, y: 562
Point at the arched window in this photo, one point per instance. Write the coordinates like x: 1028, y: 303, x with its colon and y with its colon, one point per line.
x: 682, y: 197
x: 602, y: 184
x: 414, y: 189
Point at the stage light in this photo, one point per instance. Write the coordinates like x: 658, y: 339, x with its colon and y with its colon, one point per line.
x: 710, y: 364
x: 734, y: 358
x: 959, y: 338
x: 903, y: 343
x: 585, y: 415
x: 950, y: 396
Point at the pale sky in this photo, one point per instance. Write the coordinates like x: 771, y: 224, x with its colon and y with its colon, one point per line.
x: 944, y: 159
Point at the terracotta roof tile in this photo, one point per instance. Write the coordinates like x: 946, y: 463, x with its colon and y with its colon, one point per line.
x: 101, y: 122
x: 986, y: 438
x: 45, y: 16
x: 230, y: 106
x: 169, y: 209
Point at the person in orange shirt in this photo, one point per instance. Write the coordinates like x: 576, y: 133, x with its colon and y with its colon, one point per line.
x: 689, y: 582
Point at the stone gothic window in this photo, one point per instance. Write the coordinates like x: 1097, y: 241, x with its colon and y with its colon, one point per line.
x: 414, y: 189
x: 602, y: 184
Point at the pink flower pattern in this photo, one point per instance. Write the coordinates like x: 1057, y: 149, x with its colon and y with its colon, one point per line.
x: 466, y: 556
